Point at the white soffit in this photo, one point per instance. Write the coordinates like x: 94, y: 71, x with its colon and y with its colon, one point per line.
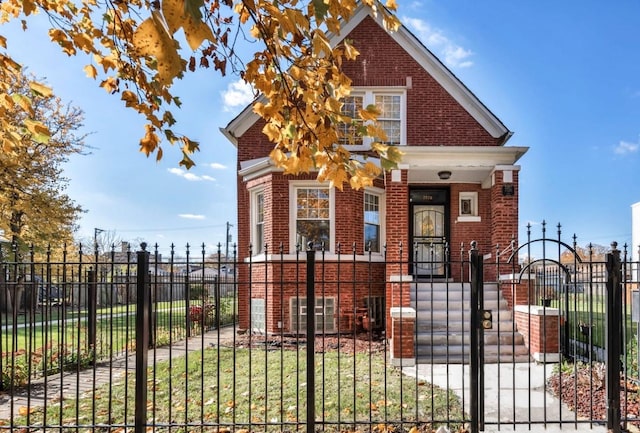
x: 460, y: 156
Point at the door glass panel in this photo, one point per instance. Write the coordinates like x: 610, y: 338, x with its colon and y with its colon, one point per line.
x: 428, y: 238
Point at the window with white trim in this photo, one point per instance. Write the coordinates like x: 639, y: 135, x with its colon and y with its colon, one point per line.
x: 348, y: 132
x: 391, y: 117
x: 257, y: 218
x: 324, y: 312
x: 468, y: 206
x: 372, y: 222
x: 312, y: 216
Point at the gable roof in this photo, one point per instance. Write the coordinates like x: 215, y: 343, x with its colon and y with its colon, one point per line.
x: 424, y: 57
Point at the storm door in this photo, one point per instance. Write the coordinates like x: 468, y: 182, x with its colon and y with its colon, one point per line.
x: 429, y: 230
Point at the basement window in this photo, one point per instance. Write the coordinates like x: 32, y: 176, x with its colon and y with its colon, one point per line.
x: 324, y: 315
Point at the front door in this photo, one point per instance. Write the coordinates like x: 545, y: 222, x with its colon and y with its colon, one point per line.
x: 429, y: 230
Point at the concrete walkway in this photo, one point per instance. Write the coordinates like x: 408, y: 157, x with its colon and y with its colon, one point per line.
x: 512, y: 391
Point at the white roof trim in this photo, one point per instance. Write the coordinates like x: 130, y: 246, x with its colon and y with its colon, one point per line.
x: 421, y: 54
x: 255, y: 168
x: 460, y: 156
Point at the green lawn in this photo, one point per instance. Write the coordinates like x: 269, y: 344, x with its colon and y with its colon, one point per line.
x: 46, y: 343
x: 590, y: 311
x: 243, y: 387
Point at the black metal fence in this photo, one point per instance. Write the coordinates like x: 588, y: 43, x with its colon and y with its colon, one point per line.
x: 134, y: 340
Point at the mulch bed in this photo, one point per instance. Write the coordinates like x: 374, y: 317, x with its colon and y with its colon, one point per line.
x: 349, y: 344
x: 584, y: 391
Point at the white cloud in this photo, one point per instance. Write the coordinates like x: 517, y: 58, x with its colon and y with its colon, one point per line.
x: 191, y: 216
x: 238, y: 94
x: 217, y: 166
x: 451, y: 53
x: 189, y: 175
x: 624, y: 148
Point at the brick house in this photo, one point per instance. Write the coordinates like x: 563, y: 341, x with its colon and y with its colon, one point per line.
x: 457, y: 182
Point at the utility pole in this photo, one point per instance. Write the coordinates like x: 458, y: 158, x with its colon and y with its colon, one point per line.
x: 226, y: 254
x: 96, y: 232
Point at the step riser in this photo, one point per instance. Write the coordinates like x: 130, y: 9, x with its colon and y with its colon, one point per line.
x: 493, y: 338
x: 443, y: 325
x: 505, y: 359
x: 450, y: 296
x: 454, y: 316
x: 459, y: 327
x: 456, y: 305
x: 490, y: 351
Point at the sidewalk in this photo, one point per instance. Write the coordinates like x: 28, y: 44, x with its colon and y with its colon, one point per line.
x: 73, y: 384
x: 512, y: 391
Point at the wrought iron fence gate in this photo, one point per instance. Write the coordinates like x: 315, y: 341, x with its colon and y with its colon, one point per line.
x: 134, y: 341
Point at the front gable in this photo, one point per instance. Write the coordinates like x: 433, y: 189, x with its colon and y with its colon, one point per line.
x: 440, y: 109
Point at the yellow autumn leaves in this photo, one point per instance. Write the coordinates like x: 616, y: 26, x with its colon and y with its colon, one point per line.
x: 12, y: 134
x: 136, y: 53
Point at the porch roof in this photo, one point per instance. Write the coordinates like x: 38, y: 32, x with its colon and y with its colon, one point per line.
x: 467, y: 164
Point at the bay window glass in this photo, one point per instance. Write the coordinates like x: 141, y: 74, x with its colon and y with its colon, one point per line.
x: 313, y: 217
x: 371, y: 222
x: 258, y: 221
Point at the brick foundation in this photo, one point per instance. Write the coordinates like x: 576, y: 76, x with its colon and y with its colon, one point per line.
x: 540, y: 328
x: 403, y: 320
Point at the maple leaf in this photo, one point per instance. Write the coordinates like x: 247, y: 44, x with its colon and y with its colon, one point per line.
x: 39, y: 132
x: 91, y: 71
x: 40, y: 89
x: 186, y: 14
x: 152, y: 38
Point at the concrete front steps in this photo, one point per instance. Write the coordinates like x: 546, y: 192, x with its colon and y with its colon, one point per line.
x: 443, y: 325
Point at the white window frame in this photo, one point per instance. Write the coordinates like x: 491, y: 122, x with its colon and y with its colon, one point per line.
x: 472, y: 215
x: 369, y: 95
x: 254, y: 222
x: 298, y: 308
x: 293, y: 188
x: 381, y: 223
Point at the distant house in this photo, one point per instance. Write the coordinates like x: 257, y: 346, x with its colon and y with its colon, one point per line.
x: 457, y: 182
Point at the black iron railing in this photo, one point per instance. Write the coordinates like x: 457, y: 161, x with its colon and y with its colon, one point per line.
x: 310, y: 341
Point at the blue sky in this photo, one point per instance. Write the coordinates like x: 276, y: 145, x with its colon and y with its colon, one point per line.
x: 563, y: 76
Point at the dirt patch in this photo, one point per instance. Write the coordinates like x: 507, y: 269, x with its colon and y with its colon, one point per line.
x: 350, y: 344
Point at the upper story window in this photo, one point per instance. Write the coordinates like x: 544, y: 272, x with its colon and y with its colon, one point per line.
x: 257, y: 219
x: 348, y: 131
x: 391, y: 118
x: 312, y: 216
x: 372, y: 222
x: 390, y: 108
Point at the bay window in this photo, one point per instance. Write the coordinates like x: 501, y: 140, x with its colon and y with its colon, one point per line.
x: 257, y: 219
x: 371, y: 222
x: 312, y: 216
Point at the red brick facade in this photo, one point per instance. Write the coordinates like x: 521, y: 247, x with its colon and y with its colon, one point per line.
x: 540, y: 328
x: 439, y: 113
